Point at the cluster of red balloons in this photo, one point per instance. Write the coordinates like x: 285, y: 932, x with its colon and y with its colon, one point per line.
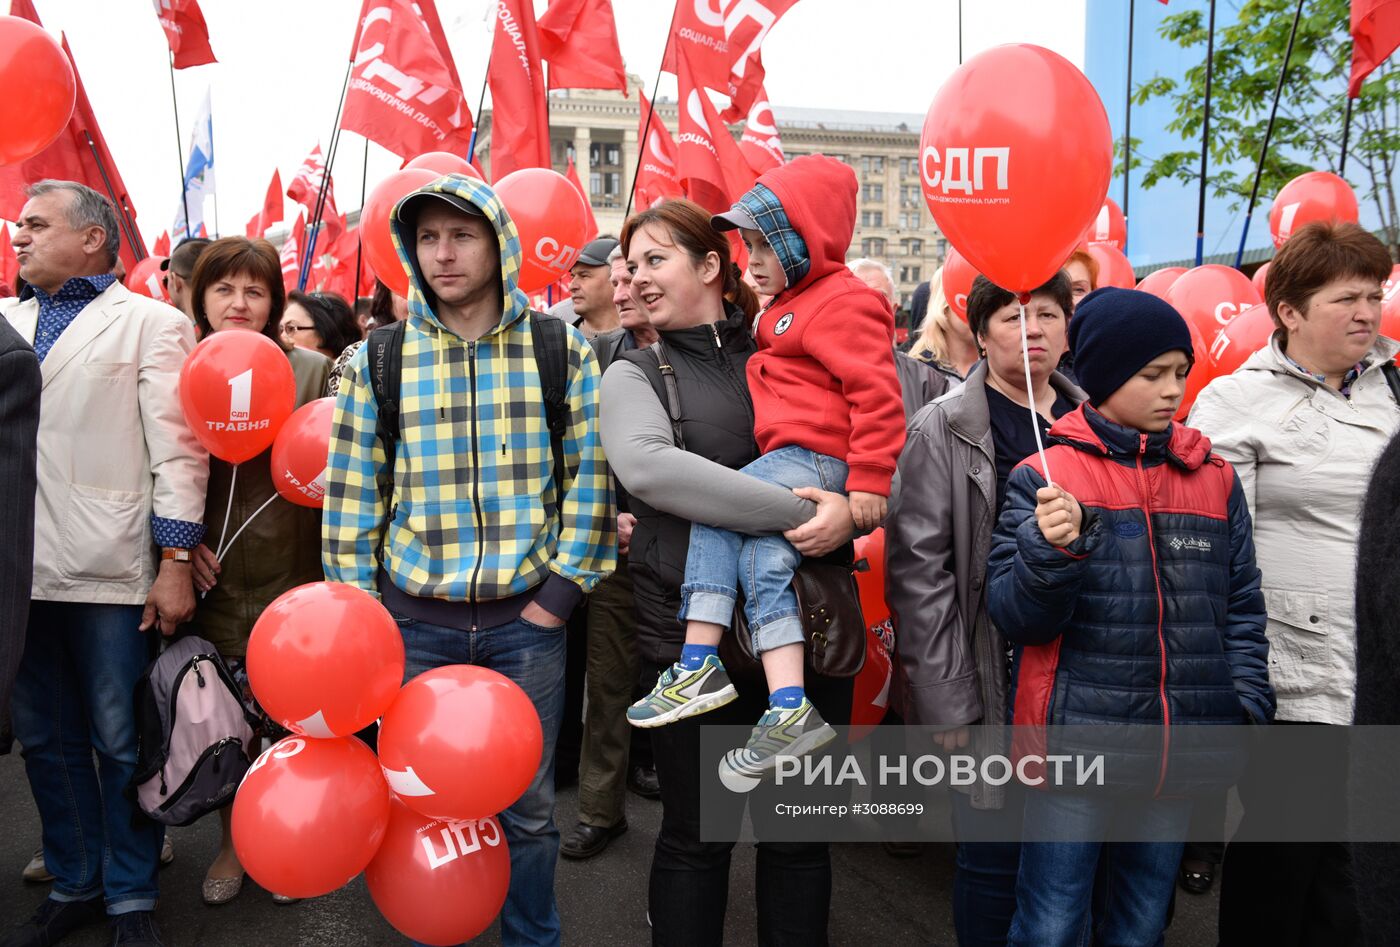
x: 237, y: 391
x: 457, y: 745
x: 551, y: 219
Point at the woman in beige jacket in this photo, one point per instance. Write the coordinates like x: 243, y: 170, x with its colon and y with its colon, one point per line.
x: 1303, y: 422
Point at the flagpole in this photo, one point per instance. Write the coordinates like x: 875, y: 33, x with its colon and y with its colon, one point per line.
x: 1346, y: 136
x: 646, y: 128
x: 138, y: 249
x: 960, y: 32
x: 179, y: 149
x: 364, y: 189
x: 314, y: 230
x: 1268, y: 133
x: 1205, y: 140
x: 1127, y: 123
x: 480, y: 103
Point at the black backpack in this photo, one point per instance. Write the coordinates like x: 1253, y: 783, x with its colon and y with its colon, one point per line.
x: 385, y: 364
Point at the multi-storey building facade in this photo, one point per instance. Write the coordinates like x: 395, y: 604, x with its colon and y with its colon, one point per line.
x: 893, y: 224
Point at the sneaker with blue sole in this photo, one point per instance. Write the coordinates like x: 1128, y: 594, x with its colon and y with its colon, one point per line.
x: 680, y: 693
x: 782, y: 731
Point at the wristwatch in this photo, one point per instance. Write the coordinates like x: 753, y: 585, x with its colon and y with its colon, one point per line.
x: 179, y: 555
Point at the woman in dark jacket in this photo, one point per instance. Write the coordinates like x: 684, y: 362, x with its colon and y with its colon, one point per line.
x: 952, y: 662
x: 682, y: 275
x: 237, y: 285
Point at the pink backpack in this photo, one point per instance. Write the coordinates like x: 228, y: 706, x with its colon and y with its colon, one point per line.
x: 195, y: 734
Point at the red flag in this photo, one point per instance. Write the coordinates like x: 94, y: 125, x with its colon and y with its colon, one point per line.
x: 572, y: 174
x: 723, y: 47
x: 9, y: 263
x: 760, y: 143
x: 162, y: 244
x: 579, y: 38
x: 709, y: 164
x: 185, y: 31
x: 403, y: 93
x: 305, y: 189
x: 656, y: 177
x: 346, y: 253
x: 519, y: 112
x: 271, y: 212
x: 1375, y: 32
x: 71, y: 158
x: 291, y: 253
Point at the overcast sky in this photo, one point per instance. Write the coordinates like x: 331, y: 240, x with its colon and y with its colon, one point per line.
x: 282, y: 63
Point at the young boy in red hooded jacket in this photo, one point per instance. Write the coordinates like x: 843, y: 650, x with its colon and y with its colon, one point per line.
x: 827, y: 414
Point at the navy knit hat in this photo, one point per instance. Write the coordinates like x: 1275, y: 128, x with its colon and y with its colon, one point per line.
x: 1115, y: 332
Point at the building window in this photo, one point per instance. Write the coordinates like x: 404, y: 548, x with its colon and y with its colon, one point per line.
x: 910, y: 220
x: 872, y: 164
x: 872, y: 218
x: 909, y: 195
x: 909, y: 274
x: 872, y: 247
x: 873, y: 192
x: 908, y: 167
x: 942, y: 249
x: 912, y: 246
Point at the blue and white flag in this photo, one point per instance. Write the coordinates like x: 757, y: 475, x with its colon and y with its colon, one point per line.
x: 199, y: 178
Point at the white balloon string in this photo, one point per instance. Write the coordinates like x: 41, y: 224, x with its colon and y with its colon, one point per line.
x: 232, y: 482
x: 220, y: 556
x: 1030, y: 399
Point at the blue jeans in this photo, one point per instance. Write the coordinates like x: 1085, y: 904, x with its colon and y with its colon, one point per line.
x: 532, y: 657
x: 1056, y: 883
x: 74, y: 698
x: 720, y: 562
x: 984, y: 879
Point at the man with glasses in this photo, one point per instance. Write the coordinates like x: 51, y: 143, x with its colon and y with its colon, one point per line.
x: 178, y: 271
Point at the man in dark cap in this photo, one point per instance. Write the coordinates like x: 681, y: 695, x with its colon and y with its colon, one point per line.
x: 591, y: 291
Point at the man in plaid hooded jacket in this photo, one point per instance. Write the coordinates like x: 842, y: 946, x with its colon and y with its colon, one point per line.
x: 486, y: 549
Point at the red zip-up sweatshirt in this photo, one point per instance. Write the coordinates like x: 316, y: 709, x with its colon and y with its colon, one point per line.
x: 824, y: 377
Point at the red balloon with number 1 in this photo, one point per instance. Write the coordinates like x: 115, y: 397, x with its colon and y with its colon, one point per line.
x: 236, y: 390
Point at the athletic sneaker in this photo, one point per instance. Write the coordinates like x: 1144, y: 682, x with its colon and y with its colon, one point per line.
x: 782, y: 731
x: 681, y: 693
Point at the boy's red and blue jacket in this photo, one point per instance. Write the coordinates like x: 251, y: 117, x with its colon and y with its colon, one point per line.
x: 1153, y: 615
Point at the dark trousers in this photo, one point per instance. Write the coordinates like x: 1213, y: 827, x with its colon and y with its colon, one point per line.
x: 1290, y: 894
x: 568, y: 750
x: 613, y: 665
x: 1207, y: 829
x: 689, y: 887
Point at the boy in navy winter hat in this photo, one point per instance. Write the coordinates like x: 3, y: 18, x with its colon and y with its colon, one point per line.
x: 1130, y: 591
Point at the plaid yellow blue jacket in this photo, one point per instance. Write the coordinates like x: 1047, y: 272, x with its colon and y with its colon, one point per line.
x: 472, y: 516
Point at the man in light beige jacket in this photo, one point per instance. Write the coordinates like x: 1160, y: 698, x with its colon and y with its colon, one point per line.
x: 120, y: 503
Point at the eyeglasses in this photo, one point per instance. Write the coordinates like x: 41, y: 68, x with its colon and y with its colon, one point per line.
x: 289, y: 329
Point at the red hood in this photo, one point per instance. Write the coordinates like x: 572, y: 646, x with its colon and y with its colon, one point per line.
x: 818, y: 195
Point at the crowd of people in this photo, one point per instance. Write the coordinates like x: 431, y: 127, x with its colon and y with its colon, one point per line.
x: 1059, y: 548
